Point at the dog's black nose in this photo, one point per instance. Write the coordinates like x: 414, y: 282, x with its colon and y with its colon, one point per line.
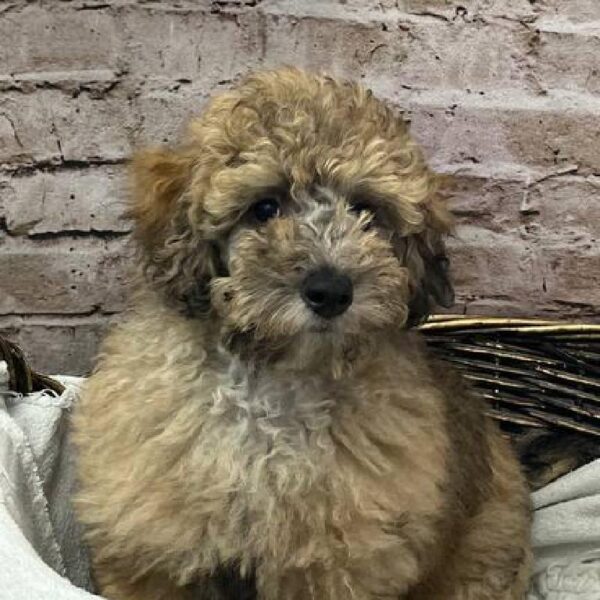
x: 327, y: 292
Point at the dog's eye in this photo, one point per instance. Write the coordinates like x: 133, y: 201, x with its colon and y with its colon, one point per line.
x: 362, y: 208
x: 265, y: 209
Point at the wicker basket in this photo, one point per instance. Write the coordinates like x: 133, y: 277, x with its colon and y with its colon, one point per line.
x: 535, y: 374
x: 541, y: 380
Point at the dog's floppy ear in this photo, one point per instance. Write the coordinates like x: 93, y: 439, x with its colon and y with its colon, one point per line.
x: 428, y: 264
x: 431, y: 284
x: 176, y: 257
x: 159, y: 177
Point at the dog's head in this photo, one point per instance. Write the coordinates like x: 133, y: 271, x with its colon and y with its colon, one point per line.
x: 296, y: 205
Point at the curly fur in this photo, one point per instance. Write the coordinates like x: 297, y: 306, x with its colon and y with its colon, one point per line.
x: 229, y: 433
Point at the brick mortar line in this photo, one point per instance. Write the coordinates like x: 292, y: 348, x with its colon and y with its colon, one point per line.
x: 16, y: 245
x: 54, y: 318
x: 72, y: 234
x: 493, y: 171
x: 510, y: 100
x: 50, y: 166
x: 27, y: 244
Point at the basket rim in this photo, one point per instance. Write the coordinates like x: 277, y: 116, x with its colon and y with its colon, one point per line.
x: 513, y: 324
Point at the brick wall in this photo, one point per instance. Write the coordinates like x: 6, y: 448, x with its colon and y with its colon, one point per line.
x: 503, y: 93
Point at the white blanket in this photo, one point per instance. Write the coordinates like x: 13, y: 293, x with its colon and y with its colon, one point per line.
x: 41, y: 554
x: 566, y: 537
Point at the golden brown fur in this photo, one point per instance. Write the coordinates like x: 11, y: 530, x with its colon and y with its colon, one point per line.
x: 227, y: 428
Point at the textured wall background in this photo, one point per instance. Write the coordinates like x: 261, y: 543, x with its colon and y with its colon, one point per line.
x: 503, y: 93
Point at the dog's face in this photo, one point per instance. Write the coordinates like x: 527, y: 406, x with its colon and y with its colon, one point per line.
x: 297, y: 206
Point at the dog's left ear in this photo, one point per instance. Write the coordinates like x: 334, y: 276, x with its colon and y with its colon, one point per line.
x: 428, y: 264
x: 177, y: 258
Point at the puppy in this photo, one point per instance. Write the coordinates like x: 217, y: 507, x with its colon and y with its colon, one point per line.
x: 264, y: 423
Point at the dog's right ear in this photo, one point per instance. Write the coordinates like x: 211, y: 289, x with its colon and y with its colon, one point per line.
x: 177, y: 260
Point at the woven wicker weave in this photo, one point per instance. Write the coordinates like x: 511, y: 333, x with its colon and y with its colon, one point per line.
x: 535, y: 374
x: 541, y: 380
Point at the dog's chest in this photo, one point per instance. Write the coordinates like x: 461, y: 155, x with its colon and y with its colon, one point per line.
x: 303, y: 460
x: 266, y: 446
x: 277, y: 417
x: 292, y: 433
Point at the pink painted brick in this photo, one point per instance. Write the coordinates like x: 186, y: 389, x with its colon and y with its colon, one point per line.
x: 568, y: 210
x: 53, y: 38
x: 490, y: 264
x: 572, y: 275
x: 80, y: 200
x: 164, y: 113
x: 26, y: 130
x: 566, y: 56
x: 195, y: 45
x: 559, y: 128
x: 582, y: 11
x: 63, y: 276
x: 565, y: 209
x: 50, y: 125
x: 522, y: 273
x: 391, y: 54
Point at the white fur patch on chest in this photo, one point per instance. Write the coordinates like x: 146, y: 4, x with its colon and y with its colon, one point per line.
x: 275, y: 416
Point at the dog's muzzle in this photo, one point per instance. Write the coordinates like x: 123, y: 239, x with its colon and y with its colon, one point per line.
x: 327, y: 292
